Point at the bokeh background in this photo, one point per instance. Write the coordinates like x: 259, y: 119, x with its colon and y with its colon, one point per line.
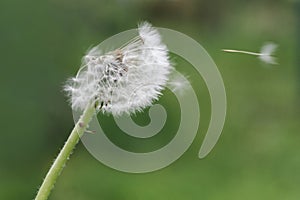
x: 257, y: 156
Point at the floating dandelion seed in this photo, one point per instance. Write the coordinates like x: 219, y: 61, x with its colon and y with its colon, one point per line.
x: 264, y: 55
x: 125, y: 80
x: 178, y: 83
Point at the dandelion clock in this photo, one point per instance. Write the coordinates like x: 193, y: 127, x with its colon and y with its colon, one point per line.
x: 123, y: 81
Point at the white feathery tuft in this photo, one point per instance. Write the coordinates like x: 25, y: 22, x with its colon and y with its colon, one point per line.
x: 178, y: 83
x: 266, y: 53
x: 125, y: 80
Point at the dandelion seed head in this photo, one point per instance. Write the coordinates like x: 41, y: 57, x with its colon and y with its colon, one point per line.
x: 125, y: 80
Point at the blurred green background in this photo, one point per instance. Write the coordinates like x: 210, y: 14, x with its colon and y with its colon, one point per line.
x: 257, y: 156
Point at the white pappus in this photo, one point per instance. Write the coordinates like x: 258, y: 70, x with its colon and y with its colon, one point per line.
x: 125, y: 80
x: 265, y: 54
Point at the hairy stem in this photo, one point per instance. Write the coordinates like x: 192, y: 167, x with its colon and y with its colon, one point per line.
x: 65, y: 152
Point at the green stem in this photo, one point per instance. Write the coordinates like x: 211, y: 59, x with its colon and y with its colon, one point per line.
x: 64, y: 154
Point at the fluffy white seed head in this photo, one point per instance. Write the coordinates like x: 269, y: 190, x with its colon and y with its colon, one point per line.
x: 125, y: 80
